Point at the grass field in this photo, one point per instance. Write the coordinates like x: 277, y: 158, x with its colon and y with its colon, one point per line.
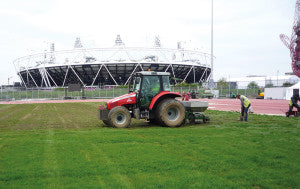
x: 65, y: 146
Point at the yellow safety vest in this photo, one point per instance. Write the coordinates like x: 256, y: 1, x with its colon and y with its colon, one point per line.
x: 246, y: 101
x: 291, y: 103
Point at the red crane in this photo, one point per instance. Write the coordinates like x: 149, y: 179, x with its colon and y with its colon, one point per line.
x: 293, y: 43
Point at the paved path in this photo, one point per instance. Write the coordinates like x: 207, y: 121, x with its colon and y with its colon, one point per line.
x: 270, y: 107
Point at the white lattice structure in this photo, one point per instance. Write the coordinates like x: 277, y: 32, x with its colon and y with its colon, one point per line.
x: 110, y: 66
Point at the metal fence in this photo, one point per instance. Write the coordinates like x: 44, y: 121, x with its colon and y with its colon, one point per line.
x: 11, y: 94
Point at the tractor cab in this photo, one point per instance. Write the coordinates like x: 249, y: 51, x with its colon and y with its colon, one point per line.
x: 147, y: 85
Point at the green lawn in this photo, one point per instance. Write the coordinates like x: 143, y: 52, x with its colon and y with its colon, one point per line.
x: 65, y: 146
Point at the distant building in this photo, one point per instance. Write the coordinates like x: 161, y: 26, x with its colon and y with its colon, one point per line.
x: 262, y: 81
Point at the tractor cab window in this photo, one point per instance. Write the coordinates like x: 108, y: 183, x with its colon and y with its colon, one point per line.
x: 137, y: 84
x: 150, y: 88
x: 166, y: 83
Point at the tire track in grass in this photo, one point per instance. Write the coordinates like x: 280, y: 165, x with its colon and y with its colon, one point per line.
x: 96, y: 157
x: 60, y: 116
x: 50, y: 164
x: 5, y: 107
x: 29, y: 112
x: 66, y: 120
x: 92, y: 163
x: 122, y: 179
x: 9, y: 112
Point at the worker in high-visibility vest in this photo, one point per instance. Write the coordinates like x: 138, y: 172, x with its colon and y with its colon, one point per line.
x: 245, y: 105
x: 293, y: 102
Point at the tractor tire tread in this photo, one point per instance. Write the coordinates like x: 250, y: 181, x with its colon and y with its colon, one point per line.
x: 113, y: 112
x: 162, y: 109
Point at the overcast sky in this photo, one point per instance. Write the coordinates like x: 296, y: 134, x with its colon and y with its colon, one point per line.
x: 246, y: 32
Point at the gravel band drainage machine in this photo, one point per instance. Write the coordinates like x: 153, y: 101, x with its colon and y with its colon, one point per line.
x: 194, y: 111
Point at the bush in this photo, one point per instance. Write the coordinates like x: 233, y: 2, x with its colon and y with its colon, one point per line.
x: 252, y: 85
x: 222, y: 83
x: 287, y: 84
x: 184, y: 84
x: 269, y: 85
x: 59, y: 89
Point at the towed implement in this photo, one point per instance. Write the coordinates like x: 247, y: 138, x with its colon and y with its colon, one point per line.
x: 150, y: 98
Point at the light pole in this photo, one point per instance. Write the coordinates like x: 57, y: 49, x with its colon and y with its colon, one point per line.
x: 211, y: 47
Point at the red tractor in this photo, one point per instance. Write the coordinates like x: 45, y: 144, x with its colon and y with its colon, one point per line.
x: 149, y: 98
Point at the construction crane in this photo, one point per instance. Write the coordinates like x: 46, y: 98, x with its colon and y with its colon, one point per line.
x: 293, y: 43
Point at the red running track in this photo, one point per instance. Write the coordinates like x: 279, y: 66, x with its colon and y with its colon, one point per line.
x: 270, y: 107
x: 259, y: 106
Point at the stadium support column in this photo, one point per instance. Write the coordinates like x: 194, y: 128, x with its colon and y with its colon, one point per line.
x: 194, y: 74
x: 212, y: 46
x: 205, y: 71
x: 188, y: 74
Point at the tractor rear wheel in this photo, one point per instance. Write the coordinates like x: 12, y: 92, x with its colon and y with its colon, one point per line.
x: 119, y: 117
x: 171, y: 113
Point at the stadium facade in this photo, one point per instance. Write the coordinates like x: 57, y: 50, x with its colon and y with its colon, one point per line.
x: 110, y: 66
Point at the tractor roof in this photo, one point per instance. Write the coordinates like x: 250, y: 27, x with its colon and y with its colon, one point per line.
x: 152, y: 73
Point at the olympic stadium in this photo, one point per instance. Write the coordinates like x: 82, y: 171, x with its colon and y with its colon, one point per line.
x: 110, y: 66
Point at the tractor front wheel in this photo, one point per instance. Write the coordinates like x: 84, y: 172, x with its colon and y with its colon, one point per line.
x: 119, y: 117
x: 171, y: 113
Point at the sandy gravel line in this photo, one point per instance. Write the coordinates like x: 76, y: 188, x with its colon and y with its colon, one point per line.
x: 51, y: 101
